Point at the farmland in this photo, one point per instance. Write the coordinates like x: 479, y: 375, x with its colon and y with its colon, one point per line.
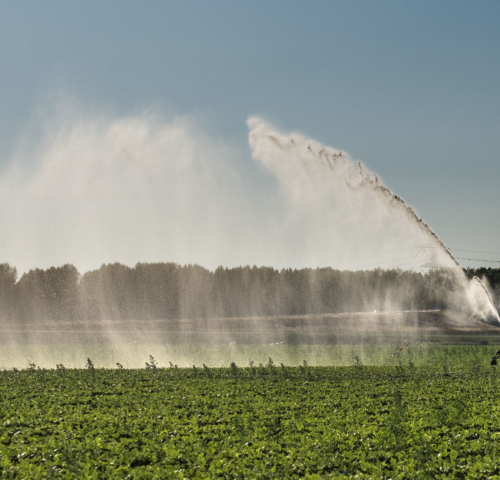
x: 430, y: 411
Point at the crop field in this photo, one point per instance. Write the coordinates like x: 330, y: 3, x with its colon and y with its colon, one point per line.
x: 430, y: 416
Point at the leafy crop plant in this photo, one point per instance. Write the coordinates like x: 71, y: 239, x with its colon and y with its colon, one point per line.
x: 288, y: 422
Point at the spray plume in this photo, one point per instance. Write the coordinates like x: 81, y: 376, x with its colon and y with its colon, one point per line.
x: 311, y: 174
x: 144, y: 189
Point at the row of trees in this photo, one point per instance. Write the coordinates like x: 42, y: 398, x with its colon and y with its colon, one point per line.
x: 168, y: 290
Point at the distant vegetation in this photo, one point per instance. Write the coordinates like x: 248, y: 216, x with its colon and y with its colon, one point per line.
x: 168, y: 290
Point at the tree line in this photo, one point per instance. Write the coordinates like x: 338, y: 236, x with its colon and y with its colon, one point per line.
x: 169, y: 291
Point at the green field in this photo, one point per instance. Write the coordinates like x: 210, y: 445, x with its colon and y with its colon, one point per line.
x: 432, y: 413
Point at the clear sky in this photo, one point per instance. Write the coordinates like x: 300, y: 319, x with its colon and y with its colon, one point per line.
x: 410, y: 88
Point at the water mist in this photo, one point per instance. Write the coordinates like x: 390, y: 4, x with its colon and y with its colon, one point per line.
x: 319, y: 178
x: 99, y: 190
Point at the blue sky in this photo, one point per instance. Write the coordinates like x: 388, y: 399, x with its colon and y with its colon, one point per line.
x: 410, y: 88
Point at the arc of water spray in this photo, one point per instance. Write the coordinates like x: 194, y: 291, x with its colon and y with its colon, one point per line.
x: 332, y: 157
